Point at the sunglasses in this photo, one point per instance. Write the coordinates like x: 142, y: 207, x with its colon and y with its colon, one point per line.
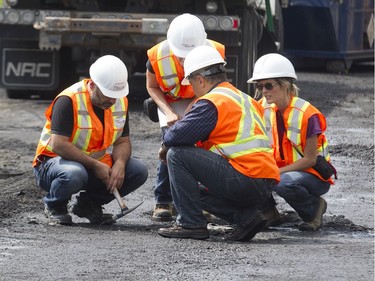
x: 268, y: 86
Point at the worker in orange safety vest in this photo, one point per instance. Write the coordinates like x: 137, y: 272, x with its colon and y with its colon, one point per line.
x: 85, y: 146
x: 296, y: 131
x: 222, y: 144
x: 163, y: 82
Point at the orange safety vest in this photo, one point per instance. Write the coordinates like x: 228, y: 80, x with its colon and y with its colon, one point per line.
x: 169, y: 72
x: 88, y: 133
x: 295, y: 121
x: 240, y: 133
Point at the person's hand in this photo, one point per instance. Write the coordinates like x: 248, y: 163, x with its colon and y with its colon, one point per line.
x: 172, y: 118
x: 117, y: 176
x: 163, y: 153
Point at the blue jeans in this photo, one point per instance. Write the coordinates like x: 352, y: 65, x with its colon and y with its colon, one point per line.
x: 302, y: 190
x: 162, y: 189
x: 228, y: 194
x: 62, y: 178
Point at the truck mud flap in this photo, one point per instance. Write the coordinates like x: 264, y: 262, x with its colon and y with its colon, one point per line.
x: 27, y: 68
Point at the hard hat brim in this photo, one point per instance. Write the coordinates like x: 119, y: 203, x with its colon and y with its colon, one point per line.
x: 114, y: 94
x: 271, y: 76
x: 177, y: 52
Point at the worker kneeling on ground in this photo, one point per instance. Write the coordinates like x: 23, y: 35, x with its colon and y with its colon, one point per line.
x: 297, y: 132
x: 222, y: 144
x: 163, y: 81
x: 85, y: 146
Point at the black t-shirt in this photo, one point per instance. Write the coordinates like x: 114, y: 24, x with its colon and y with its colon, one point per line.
x: 149, y: 67
x: 62, y: 120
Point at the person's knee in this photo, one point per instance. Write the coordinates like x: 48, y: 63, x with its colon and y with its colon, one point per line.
x: 290, y: 192
x: 285, y: 191
x: 76, y: 176
x: 171, y: 154
x: 175, y: 153
x: 285, y: 188
x: 142, y: 175
x: 136, y: 172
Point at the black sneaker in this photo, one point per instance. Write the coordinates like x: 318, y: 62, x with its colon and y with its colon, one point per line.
x: 92, y: 211
x: 247, y: 232
x: 58, y: 215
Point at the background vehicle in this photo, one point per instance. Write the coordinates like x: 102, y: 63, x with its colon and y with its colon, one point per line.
x: 335, y: 33
x: 45, y: 45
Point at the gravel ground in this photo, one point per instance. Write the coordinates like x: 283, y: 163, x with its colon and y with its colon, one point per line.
x: 31, y: 249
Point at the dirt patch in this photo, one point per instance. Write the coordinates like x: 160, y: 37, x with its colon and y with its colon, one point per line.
x: 342, y: 250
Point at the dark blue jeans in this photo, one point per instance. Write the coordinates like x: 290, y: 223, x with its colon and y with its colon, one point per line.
x: 162, y: 189
x: 229, y: 194
x: 302, y: 190
x: 62, y: 178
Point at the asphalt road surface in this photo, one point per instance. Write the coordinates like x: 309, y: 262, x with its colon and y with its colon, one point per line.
x: 31, y: 249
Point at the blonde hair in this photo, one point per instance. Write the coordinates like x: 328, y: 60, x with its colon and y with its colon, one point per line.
x: 292, y: 88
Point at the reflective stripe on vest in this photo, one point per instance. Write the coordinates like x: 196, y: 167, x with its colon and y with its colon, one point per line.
x: 168, y: 69
x: 295, y: 119
x: 45, y: 137
x: 82, y: 139
x: 269, y: 114
x: 244, y: 142
x: 118, y: 111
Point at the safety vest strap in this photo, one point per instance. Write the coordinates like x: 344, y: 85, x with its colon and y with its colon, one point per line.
x: 167, y: 68
x: 270, y: 116
x: 81, y: 137
x: 295, y: 119
x: 118, y: 111
x: 236, y: 149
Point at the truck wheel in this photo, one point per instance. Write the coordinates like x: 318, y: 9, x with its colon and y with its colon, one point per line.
x: 338, y: 66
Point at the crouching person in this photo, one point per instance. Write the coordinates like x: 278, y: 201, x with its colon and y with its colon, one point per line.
x: 297, y: 133
x: 220, y: 144
x: 85, y: 146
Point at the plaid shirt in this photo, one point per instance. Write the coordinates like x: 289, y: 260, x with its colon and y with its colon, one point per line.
x: 195, y: 126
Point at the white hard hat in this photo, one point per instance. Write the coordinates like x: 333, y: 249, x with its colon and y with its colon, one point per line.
x: 272, y: 66
x: 199, y: 58
x: 185, y: 33
x: 110, y: 74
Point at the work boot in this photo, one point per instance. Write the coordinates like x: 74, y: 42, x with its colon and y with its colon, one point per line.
x: 162, y: 212
x: 316, y: 223
x: 178, y: 231
x: 58, y: 215
x: 92, y: 211
x: 209, y: 217
x: 248, y: 231
x: 273, y: 217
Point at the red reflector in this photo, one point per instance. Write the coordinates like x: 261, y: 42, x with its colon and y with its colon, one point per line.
x: 235, y: 23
